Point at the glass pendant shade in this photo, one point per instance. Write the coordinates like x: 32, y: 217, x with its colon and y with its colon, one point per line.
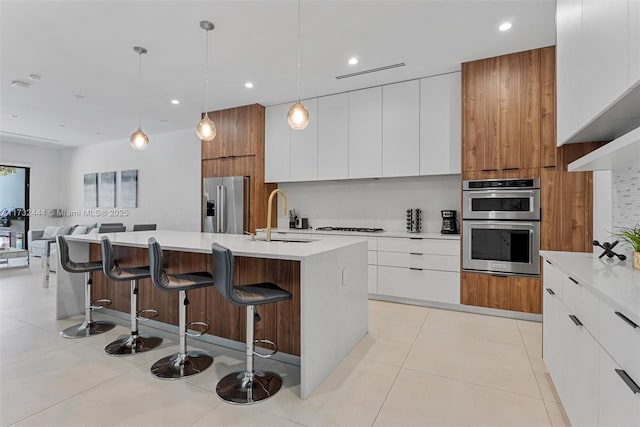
x: 139, y: 140
x: 298, y: 116
x: 206, y: 129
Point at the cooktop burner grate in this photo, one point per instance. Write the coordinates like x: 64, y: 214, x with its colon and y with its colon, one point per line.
x: 356, y: 229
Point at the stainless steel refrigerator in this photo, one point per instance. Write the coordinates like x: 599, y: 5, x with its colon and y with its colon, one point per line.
x: 225, y: 204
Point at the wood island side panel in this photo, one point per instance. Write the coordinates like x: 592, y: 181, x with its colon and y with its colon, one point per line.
x: 279, y: 322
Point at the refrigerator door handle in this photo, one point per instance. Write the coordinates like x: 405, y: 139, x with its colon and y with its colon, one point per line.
x: 222, y: 209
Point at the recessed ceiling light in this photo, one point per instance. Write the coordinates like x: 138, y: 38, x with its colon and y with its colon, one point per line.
x: 164, y: 120
x: 248, y: 85
x: 20, y: 83
x: 98, y: 133
x: 505, y: 26
x: 61, y: 125
x: 14, y: 116
x: 175, y: 101
x: 353, y: 61
x: 34, y: 76
x: 78, y: 96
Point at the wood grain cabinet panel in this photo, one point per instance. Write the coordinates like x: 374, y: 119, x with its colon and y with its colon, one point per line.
x: 502, y: 292
x: 474, y: 121
x: 548, y: 107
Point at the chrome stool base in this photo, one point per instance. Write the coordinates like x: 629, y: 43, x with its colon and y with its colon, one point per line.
x: 242, y: 390
x: 180, y: 365
x: 133, y: 344
x: 87, y: 329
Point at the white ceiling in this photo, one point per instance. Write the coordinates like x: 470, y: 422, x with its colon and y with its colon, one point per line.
x: 85, y: 48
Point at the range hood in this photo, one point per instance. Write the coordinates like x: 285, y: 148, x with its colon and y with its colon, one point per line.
x: 619, y: 153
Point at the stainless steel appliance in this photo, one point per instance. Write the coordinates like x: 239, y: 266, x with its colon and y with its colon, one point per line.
x: 501, y: 226
x: 225, y: 204
x: 449, y: 222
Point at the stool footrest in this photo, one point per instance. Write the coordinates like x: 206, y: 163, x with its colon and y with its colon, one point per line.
x: 154, y: 313
x: 197, y: 334
x: 273, y: 345
x: 100, y: 303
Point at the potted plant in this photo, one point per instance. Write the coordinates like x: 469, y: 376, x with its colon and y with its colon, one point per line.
x: 632, y: 236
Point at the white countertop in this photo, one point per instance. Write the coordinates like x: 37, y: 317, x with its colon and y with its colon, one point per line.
x: 376, y: 234
x: 240, y: 245
x: 609, y: 281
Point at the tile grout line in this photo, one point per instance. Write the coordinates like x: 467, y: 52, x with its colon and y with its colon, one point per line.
x: 546, y: 409
x: 386, y: 396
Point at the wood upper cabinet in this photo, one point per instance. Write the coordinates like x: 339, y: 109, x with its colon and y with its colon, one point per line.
x: 237, y: 132
x: 401, y: 129
x: 548, y: 107
x: 507, y: 108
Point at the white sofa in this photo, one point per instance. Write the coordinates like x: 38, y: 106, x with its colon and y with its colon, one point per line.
x: 37, y: 239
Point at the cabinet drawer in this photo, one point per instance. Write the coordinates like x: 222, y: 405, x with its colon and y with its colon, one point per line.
x: 620, y: 339
x: 427, y: 285
x: 419, y: 245
x: 618, y: 405
x: 581, y: 303
x: 552, y: 279
x: 372, y: 258
x: 417, y: 260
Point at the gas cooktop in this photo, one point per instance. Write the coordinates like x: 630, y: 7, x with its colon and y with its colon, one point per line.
x: 357, y: 229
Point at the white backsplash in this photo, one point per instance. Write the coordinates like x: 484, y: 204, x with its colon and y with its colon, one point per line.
x: 373, y: 202
x: 626, y: 200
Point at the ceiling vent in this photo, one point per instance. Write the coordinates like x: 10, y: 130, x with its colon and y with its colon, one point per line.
x: 372, y: 70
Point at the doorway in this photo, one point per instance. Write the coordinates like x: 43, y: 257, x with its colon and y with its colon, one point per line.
x: 14, y: 205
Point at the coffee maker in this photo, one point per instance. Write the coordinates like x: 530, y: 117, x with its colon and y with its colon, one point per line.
x: 449, y: 222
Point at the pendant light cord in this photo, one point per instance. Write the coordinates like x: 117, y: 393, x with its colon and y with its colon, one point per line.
x: 139, y: 90
x: 206, y: 75
x: 298, y: 50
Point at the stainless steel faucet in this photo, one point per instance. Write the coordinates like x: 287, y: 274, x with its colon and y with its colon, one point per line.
x: 270, y: 203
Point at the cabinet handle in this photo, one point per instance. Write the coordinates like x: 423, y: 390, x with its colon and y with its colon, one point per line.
x: 415, y: 253
x: 548, y: 262
x: 499, y: 275
x: 414, y: 268
x: 574, y: 280
x: 575, y: 320
x: 628, y: 381
x: 510, y: 169
x: 489, y: 170
x: 415, y: 238
x: 550, y: 291
x: 626, y: 319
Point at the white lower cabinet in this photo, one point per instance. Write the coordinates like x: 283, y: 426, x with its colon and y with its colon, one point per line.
x: 373, y: 279
x: 427, y: 285
x: 592, y: 352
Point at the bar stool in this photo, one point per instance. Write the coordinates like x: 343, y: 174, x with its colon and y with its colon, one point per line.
x: 183, y: 363
x: 89, y: 326
x: 134, y: 343
x: 248, y: 386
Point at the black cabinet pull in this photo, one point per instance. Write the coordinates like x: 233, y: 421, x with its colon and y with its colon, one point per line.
x: 415, y: 238
x: 489, y: 170
x: 499, y: 275
x: 548, y: 262
x: 414, y: 268
x: 628, y: 381
x: 510, y: 169
x: 550, y: 291
x: 575, y: 320
x: 415, y: 253
x: 574, y: 280
x: 627, y: 320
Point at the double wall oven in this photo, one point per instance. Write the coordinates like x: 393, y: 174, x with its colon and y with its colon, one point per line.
x: 501, y: 226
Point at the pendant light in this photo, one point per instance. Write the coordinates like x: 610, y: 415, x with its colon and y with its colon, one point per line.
x: 206, y: 129
x: 139, y: 140
x: 298, y: 115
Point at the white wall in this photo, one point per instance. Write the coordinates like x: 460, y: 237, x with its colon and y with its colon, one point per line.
x: 168, y: 179
x: 44, y: 192
x: 373, y: 202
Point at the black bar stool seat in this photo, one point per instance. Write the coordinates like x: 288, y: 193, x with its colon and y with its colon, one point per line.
x: 134, y: 343
x: 183, y: 363
x: 89, y: 326
x: 248, y: 386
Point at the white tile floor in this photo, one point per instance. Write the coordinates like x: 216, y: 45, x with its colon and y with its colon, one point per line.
x: 417, y: 367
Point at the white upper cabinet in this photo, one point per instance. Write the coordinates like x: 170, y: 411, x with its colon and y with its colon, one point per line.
x: 401, y: 129
x: 604, y: 37
x: 276, y: 144
x: 440, y: 124
x: 598, y: 60
x: 303, y: 146
x: 634, y: 42
x: 333, y: 137
x: 365, y: 133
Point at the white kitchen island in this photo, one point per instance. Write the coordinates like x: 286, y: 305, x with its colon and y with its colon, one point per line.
x: 331, y: 287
